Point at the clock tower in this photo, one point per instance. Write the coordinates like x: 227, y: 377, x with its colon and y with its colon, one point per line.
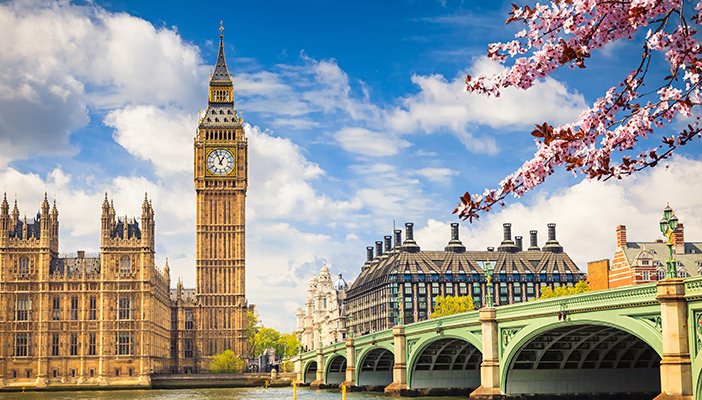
x: 220, y: 184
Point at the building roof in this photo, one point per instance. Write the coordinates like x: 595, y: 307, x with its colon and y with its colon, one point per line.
x: 469, y: 262
x: 690, y: 260
x: 220, y: 75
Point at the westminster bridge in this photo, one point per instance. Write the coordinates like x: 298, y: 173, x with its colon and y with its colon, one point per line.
x: 640, y: 340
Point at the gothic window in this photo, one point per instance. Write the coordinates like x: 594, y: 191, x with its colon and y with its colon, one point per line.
x: 24, y: 266
x: 24, y: 305
x: 54, y: 344
x: 74, y: 308
x: 124, y: 343
x: 660, y: 273
x: 124, y: 307
x: 92, y: 309
x: 188, y: 320
x: 188, y: 348
x: 125, y: 265
x: 74, y: 344
x: 92, y: 344
x: 22, y: 344
x: 56, y: 309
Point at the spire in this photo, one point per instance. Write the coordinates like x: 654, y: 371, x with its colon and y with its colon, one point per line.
x: 45, y: 204
x: 221, y: 73
x: 5, y: 206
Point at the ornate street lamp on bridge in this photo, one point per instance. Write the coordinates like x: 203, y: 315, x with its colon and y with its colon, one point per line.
x: 488, y: 287
x: 668, y: 225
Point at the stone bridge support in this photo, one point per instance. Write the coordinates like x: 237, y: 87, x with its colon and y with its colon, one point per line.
x: 319, y: 377
x: 676, y: 368
x: 399, y: 371
x: 298, y: 370
x: 350, y: 364
x: 490, y: 367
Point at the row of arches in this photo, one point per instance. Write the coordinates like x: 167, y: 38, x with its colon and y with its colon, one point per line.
x: 582, y: 359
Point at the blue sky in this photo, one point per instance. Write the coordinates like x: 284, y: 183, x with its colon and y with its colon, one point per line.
x: 356, y: 118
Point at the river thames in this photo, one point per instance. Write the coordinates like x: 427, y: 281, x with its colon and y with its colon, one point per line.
x: 202, y: 394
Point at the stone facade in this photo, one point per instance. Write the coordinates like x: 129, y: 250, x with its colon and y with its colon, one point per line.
x: 416, y: 277
x: 111, y: 318
x: 323, y: 319
x: 81, y: 318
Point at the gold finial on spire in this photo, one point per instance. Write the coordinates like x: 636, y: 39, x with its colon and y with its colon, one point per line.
x: 221, y: 28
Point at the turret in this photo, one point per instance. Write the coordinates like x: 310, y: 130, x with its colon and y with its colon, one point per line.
x: 106, y: 220
x: 14, y: 218
x: 147, y: 223
x: 54, y: 227
x: 44, y: 222
x: 4, y: 218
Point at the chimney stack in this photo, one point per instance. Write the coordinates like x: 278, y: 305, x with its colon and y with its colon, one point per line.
x: 378, y: 248
x: 679, y: 239
x: 518, y: 242
x: 552, y: 244
x: 409, y: 244
x: 491, y: 248
x: 533, y: 242
x: 398, y: 239
x: 369, y: 253
x: 388, y: 244
x: 455, y: 245
x: 621, y: 236
x: 507, y: 243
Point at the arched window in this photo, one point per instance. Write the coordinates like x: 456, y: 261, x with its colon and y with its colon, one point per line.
x: 24, y: 266
x: 125, y: 265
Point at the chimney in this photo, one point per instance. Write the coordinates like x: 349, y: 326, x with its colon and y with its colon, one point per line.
x: 621, y: 236
x: 518, y: 242
x: 398, y: 239
x: 679, y: 239
x: 369, y: 253
x: 552, y: 244
x: 388, y: 243
x: 409, y: 244
x: 378, y: 248
x: 533, y: 242
x: 491, y: 248
x: 80, y: 254
x: 455, y: 245
x: 507, y: 243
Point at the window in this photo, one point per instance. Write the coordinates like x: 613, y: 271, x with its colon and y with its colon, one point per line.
x: 124, y: 310
x: 91, y: 372
x: 24, y: 266
x: 131, y: 371
x: 56, y: 309
x: 73, y: 372
x: 124, y: 343
x: 118, y: 371
x: 125, y: 265
x: 435, y: 288
x: 14, y: 374
x: 408, y: 289
x: 449, y: 289
x: 54, y: 344
x: 24, y: 305
x: 55, y: 373
x: 174, y: 348
x: 646, y: 276
x: 92, y: 309
x: 661, y: 274
x: 74, y: 308
x: 188, y: 348
x: 92, y: 344
x: 462, y: 289
x: 644, y: 262
x: 189, y: 320
x: 74, y: 344
x: 28, y: 373
x: 22, y: 344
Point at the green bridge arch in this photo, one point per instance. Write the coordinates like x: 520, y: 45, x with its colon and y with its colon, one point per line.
x: 428, y: 338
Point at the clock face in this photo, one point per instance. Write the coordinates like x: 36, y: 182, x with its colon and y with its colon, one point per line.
x: 220, y: 162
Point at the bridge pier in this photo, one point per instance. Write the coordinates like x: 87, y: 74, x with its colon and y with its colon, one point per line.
x: 350, y: 381
x: 676, y: 368
x: 319, y: 374
x: 490, y: 367
x: 399, y: 370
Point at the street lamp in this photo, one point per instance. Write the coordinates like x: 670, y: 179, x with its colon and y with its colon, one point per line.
x: 488, y: 287
x: 399, y: 318
x: 668, y: 225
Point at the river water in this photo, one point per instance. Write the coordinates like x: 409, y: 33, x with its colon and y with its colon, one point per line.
x: 285, y: 393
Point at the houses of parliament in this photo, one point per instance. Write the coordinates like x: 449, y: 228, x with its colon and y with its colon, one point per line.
x: 111, y: 318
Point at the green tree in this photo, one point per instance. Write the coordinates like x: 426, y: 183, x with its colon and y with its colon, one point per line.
x: 448, y: 305
x: 265, y: 339
x: 252, y: 326
x: 580, y: 287
x: 226, y: 362
x: 287, y: 345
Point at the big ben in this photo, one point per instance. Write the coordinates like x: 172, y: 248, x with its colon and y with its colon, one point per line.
x: 220, y: 183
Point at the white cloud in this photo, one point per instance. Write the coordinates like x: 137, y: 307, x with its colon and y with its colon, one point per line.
x: 163, y: 137
x: 588, y: 213
x: 370, y: 143
x: 437, y: 174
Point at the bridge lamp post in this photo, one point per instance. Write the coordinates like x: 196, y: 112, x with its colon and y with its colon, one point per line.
x: 668, y: 225
x: 400, y: 318
x: 488, y: 287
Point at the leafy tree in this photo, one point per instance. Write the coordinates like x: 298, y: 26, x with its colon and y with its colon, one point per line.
x: 226, y: 362
x: 580, y: 287
x: 252, y: 326
x: 448, y: 305
x: 265, y: 339
x: 287, y: 345
x: 565, y: 33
